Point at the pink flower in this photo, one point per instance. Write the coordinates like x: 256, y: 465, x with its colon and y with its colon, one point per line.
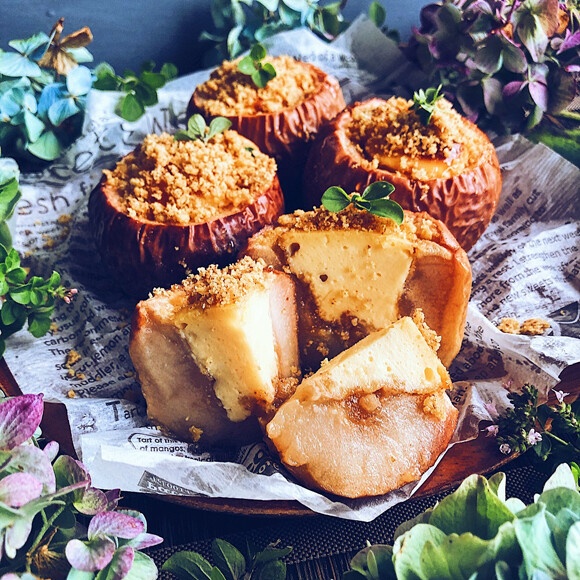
x: 491, y: 431
x: 534, y: 437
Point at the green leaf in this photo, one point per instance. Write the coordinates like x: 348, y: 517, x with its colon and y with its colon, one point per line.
x: 379, y: 558
x: 246, y: 66
x: 62, y: 110
x: 335, y: 199
x: 534, y: 537
x: 218, y: 125
x: 377, y: 13
x: 228, y: 559
x: 130, y: 108
x: 411, y: 551
x: 378, y: 190
x: 5, y: 234
x: 572, y: 552
x: 153, y: 80
x: 258, y: 52
x: 473, y: 507
x: 34, y: 126
x: 273, y: 570
x: 9, y: 196
x: 17, y: 65
x: 188, y: 565
x: 12, y: 312
x: 47, y: 147
x: 143, y: 568
x: 146, y: 95
x: 169, y: 71
x: 38, y: 325
x: 388, y: 209
x: 196, y: 126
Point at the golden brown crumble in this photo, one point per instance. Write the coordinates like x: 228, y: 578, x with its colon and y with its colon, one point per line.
x: 72, y: 357
x: 430, y: 336
x: 213, y: 286
x: 434, y: 404
x: 188, y: 182
x: 534, y: 326
x: 530, y: 327
x: 390, y: 133
x: 229, y: 92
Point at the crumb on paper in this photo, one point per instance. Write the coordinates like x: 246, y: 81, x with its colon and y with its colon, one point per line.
x: 529, y: 327
x: 64, y: 219
x: 196, y: 433
x: 534, y: 326
x: 71, y: 394
x: 72, y: 357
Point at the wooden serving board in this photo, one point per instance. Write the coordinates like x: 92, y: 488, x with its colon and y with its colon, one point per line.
x: 480, y: 455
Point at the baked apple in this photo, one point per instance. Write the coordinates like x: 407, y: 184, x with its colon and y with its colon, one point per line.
x: 282, y: 117
x: 447, y: 167
x: 216, y: 352
x: 357, y: 273
x: 173, y: 205
x: 370, y: 420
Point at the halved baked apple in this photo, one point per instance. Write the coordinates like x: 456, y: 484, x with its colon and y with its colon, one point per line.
x: 216, y: 352
x: 372, y: 419
x: 447, y: 167
x: 357, y: 273
x: 172, y: 206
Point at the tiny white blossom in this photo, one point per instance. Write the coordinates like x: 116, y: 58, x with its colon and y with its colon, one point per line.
x: 560, y: 395
x: 505, y: 449
x: 534, y: 437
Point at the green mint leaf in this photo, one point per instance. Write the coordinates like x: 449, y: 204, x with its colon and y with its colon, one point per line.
x: 388, y: 209
x: 271, y: 553
x: 425, y: 101
x: 16, y: 276
x: 269, y: 70
x: 273, y: 570
x: 218, y: 125
x: 153, y: 79
x: 377, y: 14
x: 378, y: 190
x: 169, y: 71
x: 196, y: 126
x: 182, y: 135
x: 246, y: 66
x: 335, y: 199
x: 188, y: 565
x: 130, y: 108
x: 228, y: 559
x: 146, y: 95
x: 38, y: 325
x: 258, y: 52
x: 361, y: 203
x: 12, y: 312
x: 260, y: 78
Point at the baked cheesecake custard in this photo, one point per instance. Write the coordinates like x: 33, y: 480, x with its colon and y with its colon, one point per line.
x: 357, y: 273
x: 283, y: 116
x: 319, y: 338
x: 171, y: 206
x: 447, y: 167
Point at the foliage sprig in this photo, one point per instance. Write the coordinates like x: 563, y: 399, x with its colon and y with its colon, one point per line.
x: 197, y: 128
x: 230, y: 563
x: 374, y: 199
x: 552, y: 431
x: 425, y: 102
x: 140, y: 88
x: 254, y: 66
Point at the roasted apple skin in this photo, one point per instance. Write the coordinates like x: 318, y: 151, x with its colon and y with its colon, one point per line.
x: 286, y: 135
x: 142, y: 254
x: 464, y: 203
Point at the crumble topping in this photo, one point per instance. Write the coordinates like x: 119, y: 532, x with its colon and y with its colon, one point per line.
x: 389, y: 133
x: 188, y: 182
x: 229, y: 92
x: 221, y: 286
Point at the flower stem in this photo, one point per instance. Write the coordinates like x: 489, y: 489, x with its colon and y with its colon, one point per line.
x: 45, y: 527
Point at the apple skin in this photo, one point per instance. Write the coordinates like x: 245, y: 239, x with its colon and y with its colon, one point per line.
x: 464, y: 203
x: 142, y: 254
x: 286, y: 135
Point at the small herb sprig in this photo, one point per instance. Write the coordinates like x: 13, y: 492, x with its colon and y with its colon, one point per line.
x: 374, y: 199
x: 140, y: 88
x: 230, y: 563
x: 425, y: 102
x: 197, y: 128
x: 552, y: 431
x: 254, y: 66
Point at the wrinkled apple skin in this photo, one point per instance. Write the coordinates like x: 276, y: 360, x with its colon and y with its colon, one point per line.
x: 142, y: 254
x: 286, y: 135
x: 464, y: 203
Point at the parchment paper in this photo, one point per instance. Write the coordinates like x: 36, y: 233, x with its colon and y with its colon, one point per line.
x: 526, y: 265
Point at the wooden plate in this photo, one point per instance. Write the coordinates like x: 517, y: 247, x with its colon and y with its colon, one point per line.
x: 478, y: 456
